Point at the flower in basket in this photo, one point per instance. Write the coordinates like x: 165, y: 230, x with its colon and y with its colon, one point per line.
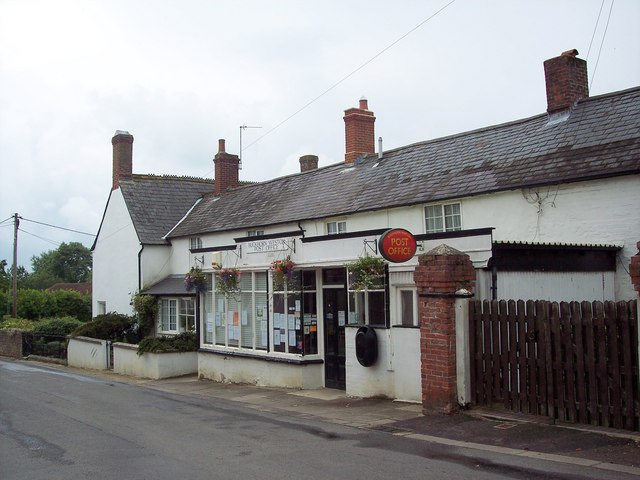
x: 366, y: 273
x: 227, y: 279
x: 195, y: 278
x: 282, y: 271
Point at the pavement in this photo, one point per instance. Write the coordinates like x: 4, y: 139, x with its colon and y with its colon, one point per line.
x: 494, y: 430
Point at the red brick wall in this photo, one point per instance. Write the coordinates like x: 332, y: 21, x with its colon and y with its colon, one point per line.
x: 440, y: 274
x: 566, y: 81
x: 359, y: 132
x: 11, y: 343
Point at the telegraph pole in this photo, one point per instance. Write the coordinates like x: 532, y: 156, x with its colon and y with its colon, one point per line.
x: 14, y: 280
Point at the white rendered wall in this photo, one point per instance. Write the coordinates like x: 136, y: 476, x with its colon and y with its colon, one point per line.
x: 156, y: 264
x: 89, y: 353
x: 126, y: 361
x: 255, y: 371
x: 115, y: 259
x: 395, y: 374
x: 597, y: 212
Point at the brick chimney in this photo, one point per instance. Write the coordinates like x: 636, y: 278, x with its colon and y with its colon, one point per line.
x: 226, y: 168
x: 122, y: 156
x: 359, y: 133
x: 566, y: 79
x: 308, y: 162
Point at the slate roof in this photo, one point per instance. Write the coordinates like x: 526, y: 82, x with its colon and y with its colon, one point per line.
x: 601, y: 138
x: 157, y: 203
x: 171, y: 285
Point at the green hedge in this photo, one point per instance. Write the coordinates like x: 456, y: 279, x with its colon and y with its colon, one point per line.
x: 110, y: 326
x: 184, y: 342
x: 57, y: 326
x: 37, y: 304
x: 9, y: 323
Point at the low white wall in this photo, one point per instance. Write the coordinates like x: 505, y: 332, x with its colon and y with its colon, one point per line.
x: 396, y: 373
x: 88, y: 353
x: 257, y: 371
x: 152, y: 365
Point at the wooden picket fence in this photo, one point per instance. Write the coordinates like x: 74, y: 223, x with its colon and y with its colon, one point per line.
x: 574, y: 362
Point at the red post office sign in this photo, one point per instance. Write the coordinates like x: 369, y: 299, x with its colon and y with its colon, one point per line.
x: 397, y: 245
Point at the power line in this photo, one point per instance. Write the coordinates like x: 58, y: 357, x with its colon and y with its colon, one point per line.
x: 601, y: 44
x: 60, y: 228
x: 52, y: 242
x: 595, y: 29
x: 349, y: 75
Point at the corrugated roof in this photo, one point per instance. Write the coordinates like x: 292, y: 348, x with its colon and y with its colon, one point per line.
x: 157, y: 203
x: 601, y: 138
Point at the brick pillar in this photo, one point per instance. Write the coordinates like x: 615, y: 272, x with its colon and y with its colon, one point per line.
x: 634, y: 269
x: 441, y: 273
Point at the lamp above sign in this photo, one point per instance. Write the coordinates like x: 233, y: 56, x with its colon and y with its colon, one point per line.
x: 397, y: 245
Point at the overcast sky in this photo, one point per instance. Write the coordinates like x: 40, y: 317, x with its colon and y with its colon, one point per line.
x: 179, y: 75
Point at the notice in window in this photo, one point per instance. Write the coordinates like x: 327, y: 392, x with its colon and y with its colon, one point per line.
x: 276, y: 336
x: 341, y: 318
x: 218, y: 320
x: 245, y: 317
x: 292, y: 338
x: 292, y: 322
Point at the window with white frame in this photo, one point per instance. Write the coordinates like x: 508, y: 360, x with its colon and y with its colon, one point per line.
x: 239, y: 320
x: 255, y: 233
x: 442, y: 218
x: 407, y: 307
x: 370, y: 306
x: 334, y: 228
x: 195, y: 242
x: 177, y: 315
x: 102, y: 307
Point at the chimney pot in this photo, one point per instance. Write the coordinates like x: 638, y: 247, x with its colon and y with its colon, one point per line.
x: 363, y: 104
x: 122, y: 142
x: 566, y: 81
x: 221, y: 145
x: 308, y: 162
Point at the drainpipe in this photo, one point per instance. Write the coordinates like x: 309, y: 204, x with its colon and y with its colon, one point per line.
x: 494, y: 282
x: 140, y: 267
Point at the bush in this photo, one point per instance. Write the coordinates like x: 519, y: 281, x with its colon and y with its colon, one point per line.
x: 146, y: 308
x: 9, y: 323
x: 57, y: 326
x: 110, y: 326
x: 184, y: 342
x: 37, y: 304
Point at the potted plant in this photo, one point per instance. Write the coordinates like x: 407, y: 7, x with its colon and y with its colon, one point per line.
x: 227, y: 279
x: 366, y: 273
x: 195, y: 278
x: 282, y: 271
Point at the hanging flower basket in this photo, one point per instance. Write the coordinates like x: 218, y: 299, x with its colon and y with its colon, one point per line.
x: 227, y: 279
x: 282, y: 271
x: 195, y: 279
x: 366, y: 273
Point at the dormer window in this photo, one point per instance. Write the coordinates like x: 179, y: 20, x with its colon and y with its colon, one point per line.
x: 335, y: 228
x: 195, y: 242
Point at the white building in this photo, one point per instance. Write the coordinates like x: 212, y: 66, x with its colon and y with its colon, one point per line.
x: 546, y: 207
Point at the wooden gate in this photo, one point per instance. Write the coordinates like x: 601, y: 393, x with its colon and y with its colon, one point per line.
x: 575, y: 362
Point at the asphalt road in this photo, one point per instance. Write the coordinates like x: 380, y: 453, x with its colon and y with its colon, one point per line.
x: 60, y: 425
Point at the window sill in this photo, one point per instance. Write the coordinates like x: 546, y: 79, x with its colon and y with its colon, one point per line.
x: 257, y: 356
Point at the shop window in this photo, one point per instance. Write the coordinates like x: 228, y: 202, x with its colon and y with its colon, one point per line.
x: 177, y: 315
x: 195, y: 242
x: 443, y: 218
x: 239, y: 320
x: 370, y: 306
x: 334, y: 228
x: 295, y: 317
